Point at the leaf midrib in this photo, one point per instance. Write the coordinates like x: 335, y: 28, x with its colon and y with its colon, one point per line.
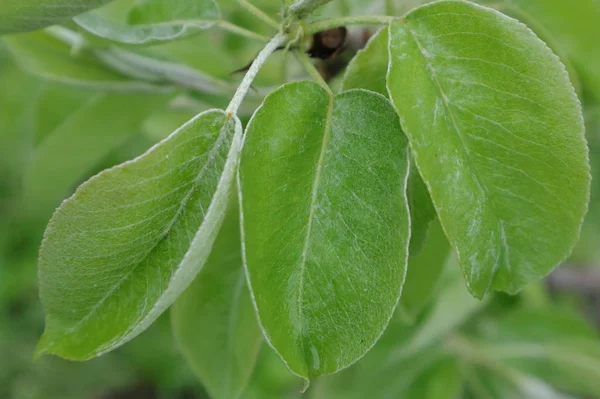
x: 313, y: 202
x: 176, y: 217
x: 445, y: 100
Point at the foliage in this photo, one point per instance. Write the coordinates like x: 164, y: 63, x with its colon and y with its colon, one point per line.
x: 370, y: 226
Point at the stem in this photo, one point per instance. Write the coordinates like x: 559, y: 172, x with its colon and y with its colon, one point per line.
x: 343, y: 21
x: 258, y: 62
x: 238, y: 30
x: 312, y: 71
x: 258, y: 13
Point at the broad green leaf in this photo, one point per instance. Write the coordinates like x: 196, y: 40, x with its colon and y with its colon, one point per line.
x: 121, y: 250
x: 425, y: 272
x: 368, y: 70
x: 150, y: 21
x: 497, y: 134
x: 570, y: 27
x: 214, y: 321
x: 46, y: 56
x: 26, y: 15
x: 68, y: 153
x: 325, y: 222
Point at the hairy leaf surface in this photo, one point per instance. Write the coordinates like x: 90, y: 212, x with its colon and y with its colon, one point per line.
x: 26, y: 15
x: 119, y: 251
x: 498, y: 136
x: 151, y: 21
x: 325, y: 222
x: 214, y: 321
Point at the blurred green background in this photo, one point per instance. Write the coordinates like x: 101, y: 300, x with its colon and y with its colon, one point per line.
x: 60, y: 124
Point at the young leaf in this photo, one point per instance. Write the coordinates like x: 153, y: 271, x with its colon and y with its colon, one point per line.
x: 119, y: 251
x: 78, y: 144
x: 368, y: 70
x: 26, y: 15
x: 151, y: 21
x: 214, y: 321
x: 45, y: 56
x: 325, y: 222
x: 497, y: 134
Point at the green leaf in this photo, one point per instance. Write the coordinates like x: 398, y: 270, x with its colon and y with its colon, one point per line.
x: 46, y: 56
x: 497, y: 134
x: 320, y: 177
x: 150, y: 21
x: 26, y: 15
x: 121, y: 250
x: 214, y: 321
x: 425, y: 272
x: 368, y: 70
x: 78, y: 144
x: 572, y: 30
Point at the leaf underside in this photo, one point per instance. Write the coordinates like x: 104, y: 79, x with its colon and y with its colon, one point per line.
x: 151, y: 21
x: 119, y: 251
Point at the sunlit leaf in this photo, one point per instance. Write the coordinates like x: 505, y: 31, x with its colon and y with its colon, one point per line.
x: 497, y: 133
x: 214, y: 321
x: 119, y: 251
x: 320, y: 178
x: 26, y: 15
x: 150, y: 21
